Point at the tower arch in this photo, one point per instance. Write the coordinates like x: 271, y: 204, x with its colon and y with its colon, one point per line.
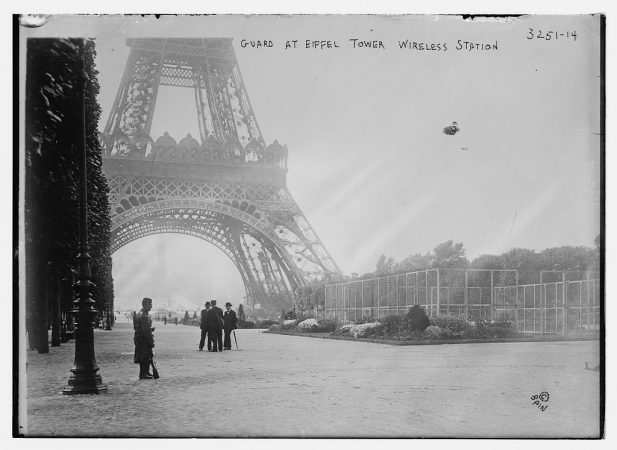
x: 225, y: 186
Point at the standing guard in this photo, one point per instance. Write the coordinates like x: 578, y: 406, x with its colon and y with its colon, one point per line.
x: 144, y: 339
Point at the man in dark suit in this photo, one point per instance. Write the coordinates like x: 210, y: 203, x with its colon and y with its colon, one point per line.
x: 203, y: 324
x: 215, y: 323
x: 230, y: 323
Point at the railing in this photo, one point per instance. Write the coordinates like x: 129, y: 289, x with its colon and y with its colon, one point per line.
x: 558, y: 307
x: 188, y: 149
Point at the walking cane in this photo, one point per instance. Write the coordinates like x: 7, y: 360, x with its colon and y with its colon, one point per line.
x: 234, y: 331
x: 155, y: 373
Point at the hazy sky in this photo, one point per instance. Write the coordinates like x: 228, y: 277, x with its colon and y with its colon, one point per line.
x: 368, y: 162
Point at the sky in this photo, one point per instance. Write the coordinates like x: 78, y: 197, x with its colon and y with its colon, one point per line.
x: 368, y: 162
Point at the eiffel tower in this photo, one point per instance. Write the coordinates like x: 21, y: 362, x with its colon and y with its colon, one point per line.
x: 229, y: 188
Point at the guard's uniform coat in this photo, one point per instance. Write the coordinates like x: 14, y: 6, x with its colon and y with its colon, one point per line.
x: 144, y: 339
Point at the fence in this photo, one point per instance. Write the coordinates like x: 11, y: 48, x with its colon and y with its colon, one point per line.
x: 562, y: 306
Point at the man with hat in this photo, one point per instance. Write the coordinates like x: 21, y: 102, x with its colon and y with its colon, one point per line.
x: 215, y: 326
x: 203, y: 324
x: 230, y: 323
x: 144, y: 339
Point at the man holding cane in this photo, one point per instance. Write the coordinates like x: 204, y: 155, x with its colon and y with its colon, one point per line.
x: 230, y: 323
x: 144, y: 339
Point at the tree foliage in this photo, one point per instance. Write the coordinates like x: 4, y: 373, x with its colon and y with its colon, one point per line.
x: 417, y: 318
x: 529, y: 263
x: 51, y: 209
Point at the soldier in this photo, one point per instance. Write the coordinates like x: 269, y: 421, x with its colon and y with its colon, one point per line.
x: 230, y: 323
x: 215, y: 323
x: 203, y: 324
x: 144, y: 339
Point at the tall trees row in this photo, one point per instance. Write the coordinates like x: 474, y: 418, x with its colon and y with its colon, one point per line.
x: 51, y: 209
x: 529, y: 263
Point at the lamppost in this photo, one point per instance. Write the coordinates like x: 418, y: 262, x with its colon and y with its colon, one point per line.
x: 84, y: 378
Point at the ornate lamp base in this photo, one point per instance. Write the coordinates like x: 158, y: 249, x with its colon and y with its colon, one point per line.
x: 84, y: 382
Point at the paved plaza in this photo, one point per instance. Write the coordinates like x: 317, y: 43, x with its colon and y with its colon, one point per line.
x: 276, y: 386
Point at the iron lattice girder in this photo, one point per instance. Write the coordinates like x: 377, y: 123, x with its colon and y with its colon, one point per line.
x: 261, y: 205
x: 255, y: 198
x: 221, y: 229
x: 209, y: 234
x: 208, y: 66
x: 229, y: 190
x: 219, y: 48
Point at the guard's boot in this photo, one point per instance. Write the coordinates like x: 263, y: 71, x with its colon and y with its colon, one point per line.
x: 143, y: 372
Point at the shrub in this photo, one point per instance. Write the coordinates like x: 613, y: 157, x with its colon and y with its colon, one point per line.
x: 289, y: 324
x: 499, y: 329
x: 390, y: 326
x: 370, y: 329
x: 358, y: 330
x: 308, y: 325
x: 364, y: 329
x: 266, y: 323
x: 246, y: 324
x: 275, y: 327
x: 454, y: 327
x: 433, y: 332
x: 344, y: 330
x: 326, y: 326
x: 417, y: 319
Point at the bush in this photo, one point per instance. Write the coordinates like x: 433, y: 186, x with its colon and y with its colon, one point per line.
x: 344, y: 330
x: 275, y: 327
x: 454, y: 327
x: 355, y: 329
x: 326, y: 326
x: 433, y: 332
x: 265, y: 323
x: 308, y: 325
x: 246, y: 324
x: 289, y: 324
x: 370, y: 330
x: 499, y: 329
x: 359, y: 330
x: 417, y: 319
x: 390, y: 326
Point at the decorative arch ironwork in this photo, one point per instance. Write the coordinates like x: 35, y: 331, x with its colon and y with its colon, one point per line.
x: 226, y: 186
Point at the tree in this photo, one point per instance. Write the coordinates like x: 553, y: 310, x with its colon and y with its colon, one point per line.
x: 486, y: 261
x: 449, y: 255
x: 568, y: 258
x: 99, y: 216
x: 413, y: 262
x: 384, y: 265
x: 51, y: 210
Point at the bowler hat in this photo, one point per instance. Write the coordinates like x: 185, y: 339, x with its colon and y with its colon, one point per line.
x: 227, y: 304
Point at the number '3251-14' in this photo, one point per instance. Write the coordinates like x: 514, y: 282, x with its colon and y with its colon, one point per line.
x: 551, y: 35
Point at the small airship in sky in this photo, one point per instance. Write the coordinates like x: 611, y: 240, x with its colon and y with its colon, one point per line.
x: 452, y: 129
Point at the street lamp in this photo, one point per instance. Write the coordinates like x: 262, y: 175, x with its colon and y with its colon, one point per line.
x: 84, y: 378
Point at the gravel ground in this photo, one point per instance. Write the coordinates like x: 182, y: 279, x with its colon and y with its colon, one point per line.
x: 286, y: 386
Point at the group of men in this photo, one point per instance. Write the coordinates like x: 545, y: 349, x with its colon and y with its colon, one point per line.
x: 213, y: 322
